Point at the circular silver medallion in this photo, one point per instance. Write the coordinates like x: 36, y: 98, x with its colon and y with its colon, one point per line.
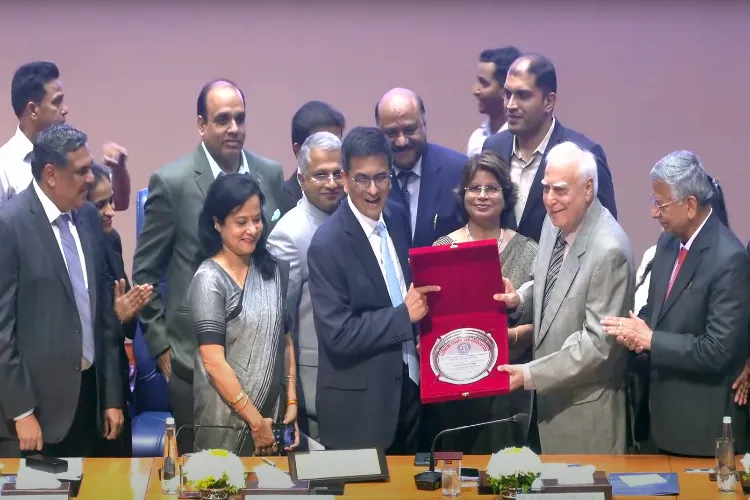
x: 463, y: 356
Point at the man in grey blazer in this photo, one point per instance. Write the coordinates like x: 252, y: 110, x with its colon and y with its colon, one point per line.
x: 321, y: 178
x: 60, y: 374
x: 169, y: 237
x: 584, y: 272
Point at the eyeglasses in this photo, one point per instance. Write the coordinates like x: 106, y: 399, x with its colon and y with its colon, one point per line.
x: 660, y: 208
x: 337, y: 177
x: 363, y: 181
x: 491, y: 191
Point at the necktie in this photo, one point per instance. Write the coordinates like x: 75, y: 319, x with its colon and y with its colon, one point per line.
x: 555, y: 264
x: 394, y: 290
x: 680, y: 259
x: 403, y: 178
x: 75, y: 272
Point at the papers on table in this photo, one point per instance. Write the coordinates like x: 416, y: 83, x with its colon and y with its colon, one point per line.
x: 568, y: 474
x: 29, y: 478
x: 595, y: 495
x: 331, y: 464
x: 662, y: 483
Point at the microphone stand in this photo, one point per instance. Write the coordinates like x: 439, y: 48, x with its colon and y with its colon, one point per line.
x: 431, y: 480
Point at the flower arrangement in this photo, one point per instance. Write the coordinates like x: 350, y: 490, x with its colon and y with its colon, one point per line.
x: 215, y: 470
x: 513, y: 469
x: 745, y: 475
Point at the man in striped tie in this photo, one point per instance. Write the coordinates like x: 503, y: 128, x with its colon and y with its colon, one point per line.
x: 60, y: 378
x: 584, y: 273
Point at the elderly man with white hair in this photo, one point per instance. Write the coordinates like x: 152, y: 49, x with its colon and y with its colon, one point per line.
x: 694, y: 325
x: 584, y: 272
x: 321, y: 177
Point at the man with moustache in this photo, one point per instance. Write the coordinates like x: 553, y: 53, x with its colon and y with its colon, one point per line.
x: 489, y: 90
x: 39, y: 101
x: 424, y: 174
x: 60, y: 372
x: 322, y: 180
x: 584, y: 273
x: 533, y: 130
x: 365, y: 309
x: 310, y: 118
x: 169, y: 237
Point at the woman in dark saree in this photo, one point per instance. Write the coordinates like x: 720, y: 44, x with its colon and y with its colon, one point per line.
x: 128, y: 301
x: 245, y: 369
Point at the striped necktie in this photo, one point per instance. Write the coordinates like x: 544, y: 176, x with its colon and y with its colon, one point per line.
x: 555, y: 264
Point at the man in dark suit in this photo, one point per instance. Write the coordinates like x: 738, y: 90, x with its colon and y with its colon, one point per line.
x: 424, y: 174
x: 530, y: 96
x: 310, y: 118
x: 368, y: 371
x: 59, y: 354
x: 694, y: 325
x: 169, y: 237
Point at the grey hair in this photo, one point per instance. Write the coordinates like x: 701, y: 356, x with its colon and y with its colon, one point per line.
x: 52, y: 146
x: 684, y: 173
x: 319, y: 140
x: 570, y: 152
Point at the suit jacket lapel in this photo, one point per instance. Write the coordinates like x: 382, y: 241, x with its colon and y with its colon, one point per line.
x: 43, y: 228
x: 569, y: 269
x: 362, y: 250
x: 536, y: 191
x: 204, y: 176
x: 692, y: 260
x: 89, y: 256
x: 429, y: 192
x: 661, y: 272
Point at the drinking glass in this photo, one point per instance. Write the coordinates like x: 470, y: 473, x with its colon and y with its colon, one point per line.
x: 451, y: 478
x: 726, y: 469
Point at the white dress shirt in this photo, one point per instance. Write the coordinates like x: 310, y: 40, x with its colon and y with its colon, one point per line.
x: 52, y: 213
x: 368, y: 226
x: 216, y: 169
x: 523, y: 170
x: 477, y: 138
x: 15, y: 168
x: 412, y: 187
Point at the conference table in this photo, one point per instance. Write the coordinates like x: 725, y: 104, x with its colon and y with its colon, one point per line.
x: 138, y: 478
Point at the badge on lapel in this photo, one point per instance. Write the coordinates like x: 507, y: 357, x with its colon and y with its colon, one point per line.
x: 276, y: 215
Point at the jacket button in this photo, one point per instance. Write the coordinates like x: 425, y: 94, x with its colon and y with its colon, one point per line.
x: 78, y: 368
x: 398, y: 379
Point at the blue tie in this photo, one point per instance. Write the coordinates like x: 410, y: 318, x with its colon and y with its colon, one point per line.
x: 75, y: 272
x: 394, y: 290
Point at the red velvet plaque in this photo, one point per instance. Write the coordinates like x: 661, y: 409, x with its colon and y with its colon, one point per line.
x: 464, y: 337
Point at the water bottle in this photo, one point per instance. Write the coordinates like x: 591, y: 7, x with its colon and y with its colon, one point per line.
x: 170, y: 468
x: 726, y: 469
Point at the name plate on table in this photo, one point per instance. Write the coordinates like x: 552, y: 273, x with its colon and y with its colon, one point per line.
x: 464, y: 336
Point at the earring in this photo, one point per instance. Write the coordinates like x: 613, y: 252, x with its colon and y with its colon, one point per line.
x: 216, y: 227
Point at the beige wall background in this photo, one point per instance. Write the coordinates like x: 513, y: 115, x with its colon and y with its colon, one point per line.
x: 641, y: 78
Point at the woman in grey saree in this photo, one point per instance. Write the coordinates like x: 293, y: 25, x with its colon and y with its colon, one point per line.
x: 245, y: 370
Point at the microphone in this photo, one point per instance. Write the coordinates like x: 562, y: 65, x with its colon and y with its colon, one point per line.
x: 431, y: 480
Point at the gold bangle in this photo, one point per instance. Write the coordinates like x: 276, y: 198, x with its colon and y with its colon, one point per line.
x: 515, y: 335
x: 238, y: 398
x: 291, y: 402
x: 291, y: 379
x: 247, y: 400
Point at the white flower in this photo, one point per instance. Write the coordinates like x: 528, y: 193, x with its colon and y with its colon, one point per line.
x: 746, y: 462
x: 514, y: 461
x: 214, y: 463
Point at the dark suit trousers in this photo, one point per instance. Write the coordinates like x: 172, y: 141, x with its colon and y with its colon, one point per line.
x: 181, y: 407
x: 407, y: 432
x: 79, y: 442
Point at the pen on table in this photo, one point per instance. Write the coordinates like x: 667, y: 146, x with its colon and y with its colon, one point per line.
x: 269, y: 462
x: 705, y: 471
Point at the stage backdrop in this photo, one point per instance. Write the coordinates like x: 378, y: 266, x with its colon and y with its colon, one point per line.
x: 641, y: 78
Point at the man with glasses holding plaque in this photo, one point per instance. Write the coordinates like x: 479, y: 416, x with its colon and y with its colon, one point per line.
x: 321, y: 178
x: 365, y: 309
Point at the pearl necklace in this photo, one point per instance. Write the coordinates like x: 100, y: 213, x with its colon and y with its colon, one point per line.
x: 499, y: 240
